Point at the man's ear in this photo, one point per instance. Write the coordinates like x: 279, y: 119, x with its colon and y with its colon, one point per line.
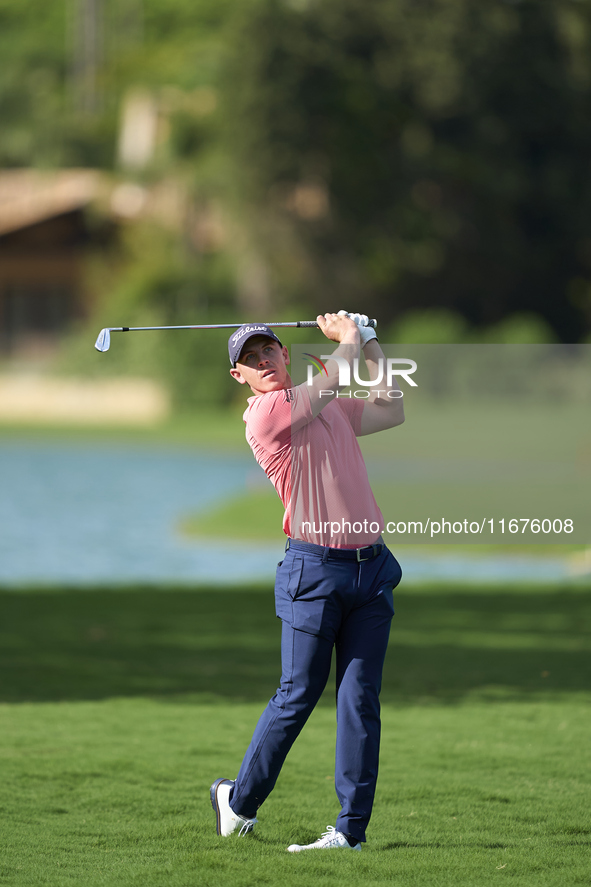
x: 285, y: 353
x: 236, y: 374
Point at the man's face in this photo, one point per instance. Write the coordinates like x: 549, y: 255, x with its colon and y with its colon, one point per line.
x: 262, y: 365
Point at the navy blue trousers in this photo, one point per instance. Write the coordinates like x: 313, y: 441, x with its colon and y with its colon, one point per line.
x: 326, y: 603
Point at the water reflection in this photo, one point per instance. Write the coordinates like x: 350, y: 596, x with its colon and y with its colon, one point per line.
x: 73, y: 514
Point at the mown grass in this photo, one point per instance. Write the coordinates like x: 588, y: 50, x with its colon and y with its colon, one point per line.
x: 119, y: 708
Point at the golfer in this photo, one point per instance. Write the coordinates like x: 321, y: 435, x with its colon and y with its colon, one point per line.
x: 334, y: 586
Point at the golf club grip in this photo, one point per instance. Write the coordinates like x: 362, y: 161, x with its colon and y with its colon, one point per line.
x: 312, y: 323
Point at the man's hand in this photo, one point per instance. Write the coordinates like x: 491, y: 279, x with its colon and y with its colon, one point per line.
x: 339, y: 328
x: 384, y: 407
x: 366, y: 333
x: 325, y: 386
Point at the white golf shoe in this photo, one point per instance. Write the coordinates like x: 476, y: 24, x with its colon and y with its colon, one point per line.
x: 331, y: 840
x: 226, y: 820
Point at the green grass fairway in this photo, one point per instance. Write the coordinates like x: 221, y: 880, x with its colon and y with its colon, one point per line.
x: 119, y: 708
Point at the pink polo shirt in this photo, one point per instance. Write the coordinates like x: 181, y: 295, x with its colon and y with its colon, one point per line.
x: 316, y: 466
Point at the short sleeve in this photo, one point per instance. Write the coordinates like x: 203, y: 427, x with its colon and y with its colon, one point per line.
x: 272, y: 418
x: 353, y: 409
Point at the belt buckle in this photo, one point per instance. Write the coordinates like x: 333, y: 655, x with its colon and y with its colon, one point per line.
x: 375, y: 550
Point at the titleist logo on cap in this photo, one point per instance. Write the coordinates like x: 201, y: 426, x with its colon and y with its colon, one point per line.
x: 247, y: 329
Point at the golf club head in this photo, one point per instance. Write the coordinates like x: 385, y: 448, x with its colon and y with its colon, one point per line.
x: 104, y: 340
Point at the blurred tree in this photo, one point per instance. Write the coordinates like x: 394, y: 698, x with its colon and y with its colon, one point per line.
x: 398, y: 155
x: 401, y: 154
x: 154, y: 281
x: 66, y: 66
x: 431, y: 326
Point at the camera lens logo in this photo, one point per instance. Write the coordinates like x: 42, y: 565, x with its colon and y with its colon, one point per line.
x: 315, y: 361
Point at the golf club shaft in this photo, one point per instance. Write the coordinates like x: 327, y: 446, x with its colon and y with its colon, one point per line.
x: 104, y: 338
x: 217, y: 326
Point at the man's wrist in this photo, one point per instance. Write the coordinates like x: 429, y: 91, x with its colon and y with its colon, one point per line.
x: 351, y: 337
x: 366, y: 335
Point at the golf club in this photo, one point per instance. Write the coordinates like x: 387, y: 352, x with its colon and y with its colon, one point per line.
x: 103, y: 341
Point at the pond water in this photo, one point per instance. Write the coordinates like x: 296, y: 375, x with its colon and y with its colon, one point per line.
x: 104, y: 514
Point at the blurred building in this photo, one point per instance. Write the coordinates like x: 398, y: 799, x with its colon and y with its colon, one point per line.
x: 47, y: 227
x: 51, y: 222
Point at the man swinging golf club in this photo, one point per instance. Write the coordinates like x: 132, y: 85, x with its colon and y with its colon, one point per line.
x: 334, y: 586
